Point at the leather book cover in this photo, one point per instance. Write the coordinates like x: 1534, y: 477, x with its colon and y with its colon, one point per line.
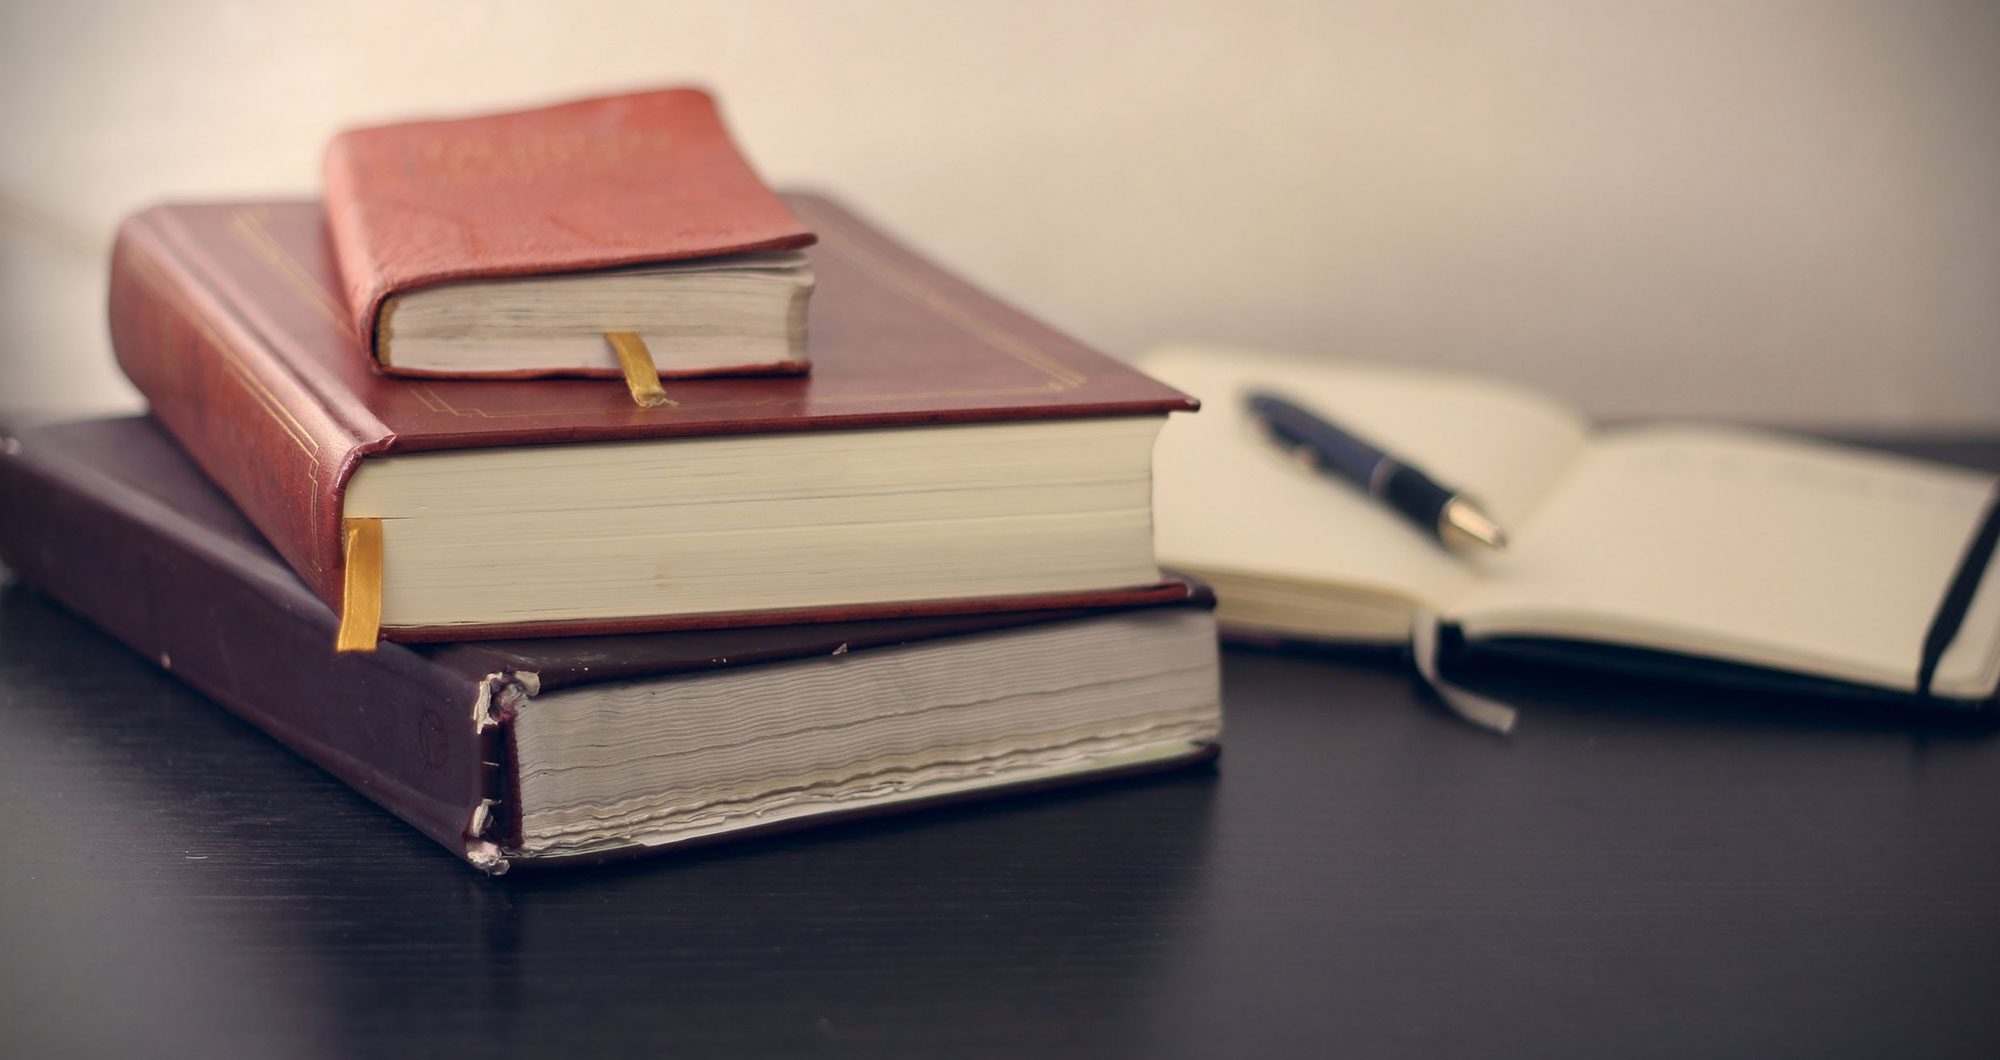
x: 622, y: 180
x: 230, y: 319
x: 110, y: 519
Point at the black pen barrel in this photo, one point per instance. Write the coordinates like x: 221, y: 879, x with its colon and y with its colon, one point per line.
x: 1456, y: 521
x: 1414, y: 494
x: 1333, y: 451
x: 1328, y: 447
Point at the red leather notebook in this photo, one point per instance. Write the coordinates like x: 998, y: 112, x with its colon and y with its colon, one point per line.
x: 109, y: 518
x: 635, y: 179
x: 230, y: 319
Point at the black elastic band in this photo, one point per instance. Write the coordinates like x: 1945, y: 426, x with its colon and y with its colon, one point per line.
x: 1958, y: 598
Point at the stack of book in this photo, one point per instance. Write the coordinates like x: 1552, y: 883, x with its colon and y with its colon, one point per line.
x: 903, y: 558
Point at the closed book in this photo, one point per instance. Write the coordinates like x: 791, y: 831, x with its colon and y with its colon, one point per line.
x: 509, y: 244
x: 587, y: 748
x: 946, y: 454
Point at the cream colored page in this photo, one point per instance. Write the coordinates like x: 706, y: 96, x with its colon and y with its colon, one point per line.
x: 1742, y: 545
x: 1226, y: 500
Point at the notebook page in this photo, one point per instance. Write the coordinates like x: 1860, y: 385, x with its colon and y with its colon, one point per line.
x: 1226, y: 500
x: 1970, y: 667
x: 1747, y: 546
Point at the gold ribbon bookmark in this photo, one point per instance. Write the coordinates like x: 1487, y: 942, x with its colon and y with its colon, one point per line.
x: 642, y: 376
x: 361, y: 594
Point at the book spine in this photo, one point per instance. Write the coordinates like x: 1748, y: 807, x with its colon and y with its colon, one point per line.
x: 420, y: 739
x: 257, y: 431
x: 360, y: 274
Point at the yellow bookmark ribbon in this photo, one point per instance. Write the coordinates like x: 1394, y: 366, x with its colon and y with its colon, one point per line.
x: 642, y: 376
x: 361, y: 593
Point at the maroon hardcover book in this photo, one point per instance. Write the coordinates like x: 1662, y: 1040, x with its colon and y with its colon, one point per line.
x: 230, y: 318
x: 110, y: 519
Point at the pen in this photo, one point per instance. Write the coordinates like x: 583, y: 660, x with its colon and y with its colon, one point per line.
x: 1454, y: 519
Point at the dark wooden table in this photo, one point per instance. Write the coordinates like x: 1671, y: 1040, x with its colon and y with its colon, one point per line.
x: 1639, y: 871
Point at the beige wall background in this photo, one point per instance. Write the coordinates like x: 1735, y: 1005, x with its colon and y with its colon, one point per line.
x: 1780, y: 210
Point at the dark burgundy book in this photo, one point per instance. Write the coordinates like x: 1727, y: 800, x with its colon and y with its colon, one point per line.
x: 586, y: 748
x: 946, y: 453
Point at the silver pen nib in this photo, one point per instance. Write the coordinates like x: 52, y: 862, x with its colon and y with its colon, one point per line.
x: 1462, y: 523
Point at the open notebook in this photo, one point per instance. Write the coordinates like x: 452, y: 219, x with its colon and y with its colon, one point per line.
x: 1709, y: 543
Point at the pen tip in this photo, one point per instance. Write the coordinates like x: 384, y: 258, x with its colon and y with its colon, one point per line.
x: 1465, y: 522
